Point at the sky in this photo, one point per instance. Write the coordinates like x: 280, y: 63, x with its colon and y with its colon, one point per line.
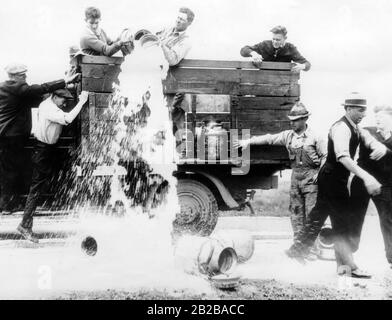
x: 347, y: 41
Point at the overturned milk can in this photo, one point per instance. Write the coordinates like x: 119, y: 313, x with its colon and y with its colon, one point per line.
x: 240, y: 240
x: 211, y: 257
x: 205, y: 255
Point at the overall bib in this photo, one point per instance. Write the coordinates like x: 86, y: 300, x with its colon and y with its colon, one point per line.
x: 303, y: 189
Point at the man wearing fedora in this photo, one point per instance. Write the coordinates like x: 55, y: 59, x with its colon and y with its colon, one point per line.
x: 51, y: 119
x: 307, y: 152
x: 333, y: 196
x: 16, y: 100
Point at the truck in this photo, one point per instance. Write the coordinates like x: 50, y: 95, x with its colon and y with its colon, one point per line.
x: 228, y: 98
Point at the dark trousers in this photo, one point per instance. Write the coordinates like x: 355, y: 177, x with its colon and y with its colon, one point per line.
x: 359, y: 201
x: 43, y: 156
x: 333, y: 201
x: 12, y: 163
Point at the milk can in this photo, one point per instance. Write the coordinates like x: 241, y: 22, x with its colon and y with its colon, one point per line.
x: 240, y: 240
x: 217, y: 142
x: 203, y: 255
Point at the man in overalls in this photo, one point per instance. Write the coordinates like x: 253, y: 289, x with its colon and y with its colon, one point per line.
x: 333, y: 197
x: 307, y: 152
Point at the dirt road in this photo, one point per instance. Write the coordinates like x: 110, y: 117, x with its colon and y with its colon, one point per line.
x: 58, y: 269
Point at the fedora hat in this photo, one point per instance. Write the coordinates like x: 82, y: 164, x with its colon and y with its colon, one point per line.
x: 298, y: 111
x: 355, y: 100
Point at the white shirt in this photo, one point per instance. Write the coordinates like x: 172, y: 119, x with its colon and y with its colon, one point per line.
x: 50, y: 122
x: 178, y: 43
x: 340, y: 133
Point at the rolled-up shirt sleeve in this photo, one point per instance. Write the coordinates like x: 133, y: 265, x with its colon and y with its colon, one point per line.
x: 175, y: 54
x: 341, y: 135
x: 280, y: 138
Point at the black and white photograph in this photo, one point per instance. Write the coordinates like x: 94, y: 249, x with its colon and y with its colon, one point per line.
x: 216, y: 151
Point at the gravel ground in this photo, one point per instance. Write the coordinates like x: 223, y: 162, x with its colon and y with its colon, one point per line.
x: 247, y: 290
x: 254, y: 287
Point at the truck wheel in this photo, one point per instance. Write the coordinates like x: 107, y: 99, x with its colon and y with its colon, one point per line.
x: 199, y: 208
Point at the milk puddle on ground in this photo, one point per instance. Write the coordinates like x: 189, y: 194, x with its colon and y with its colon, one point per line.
x: 135, y: 248
x: 270, y: 262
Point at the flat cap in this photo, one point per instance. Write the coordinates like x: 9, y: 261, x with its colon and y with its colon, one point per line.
x: 63, y: 93
x: 15, y: 68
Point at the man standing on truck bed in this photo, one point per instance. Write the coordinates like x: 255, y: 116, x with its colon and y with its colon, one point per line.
x: 16, y: 100
x: 307, y: 152
x: 174, y: 41
x: 176, y: 45
x: 277, y: 50
x: 94, y: 40
x: 51, y: 119
x: 333, y: 197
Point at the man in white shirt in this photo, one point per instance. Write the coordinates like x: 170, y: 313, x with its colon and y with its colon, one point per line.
x: 175, y: 42
x: 51, y: 119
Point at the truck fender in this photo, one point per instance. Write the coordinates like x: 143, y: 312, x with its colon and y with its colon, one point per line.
x: 224, y: 192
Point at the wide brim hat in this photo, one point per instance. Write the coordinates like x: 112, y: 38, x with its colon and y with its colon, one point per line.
x: 292, y: 118
x: 355, y: 100
x: 298, y: 111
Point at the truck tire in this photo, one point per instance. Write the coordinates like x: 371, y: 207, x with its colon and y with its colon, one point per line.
x: 199, y: 209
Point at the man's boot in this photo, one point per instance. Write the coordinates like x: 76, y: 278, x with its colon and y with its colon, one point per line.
x: 27, y: 234
x: 295, y: 253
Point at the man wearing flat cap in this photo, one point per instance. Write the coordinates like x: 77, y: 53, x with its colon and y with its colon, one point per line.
x: 277, y: 50
x: 16, y: 100
x: 51, y: 119
x: 307, y: 152
x: 333, y: 196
